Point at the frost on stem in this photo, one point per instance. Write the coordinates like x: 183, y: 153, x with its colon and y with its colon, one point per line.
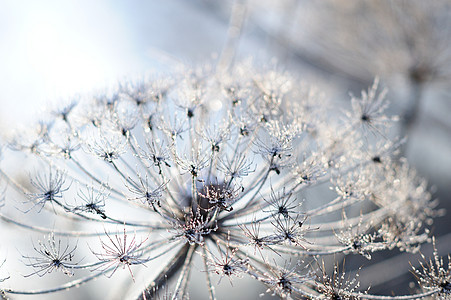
x: 281, y: 204
x: 227, y: 264
x: 369, y: 109
x: 93, y: 200
x: 157, y: 154
x: 235, y: 168
x: 256, y: 239
x: 50, y: 188
x: 290, y: 231
x: 283, y: 279
x: 106, y: 144
x: 435, y: 274
x: 118, y: 252
x: 143, y: 191
x: 222, y: 180
x: 193, y: 229
x: 218, y: 196
x: 338, y: 285
x: 358, y: 241
x: 51, y: 255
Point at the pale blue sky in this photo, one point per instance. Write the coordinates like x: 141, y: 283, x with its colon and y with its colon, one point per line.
x: 53, y: 49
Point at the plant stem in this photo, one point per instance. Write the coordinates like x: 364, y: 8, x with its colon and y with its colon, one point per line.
x: 166, y: 274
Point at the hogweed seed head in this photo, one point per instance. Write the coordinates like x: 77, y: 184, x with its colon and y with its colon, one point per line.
x: 52, y: 255
x: 435, y: 274
x: 215, y: 166
x: 119, y: 251
x: 50, y: 188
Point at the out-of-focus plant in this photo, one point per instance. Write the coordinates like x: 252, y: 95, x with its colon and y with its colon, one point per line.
x: 407, y: 43
x: 249, y: 170
x: 411, y: 39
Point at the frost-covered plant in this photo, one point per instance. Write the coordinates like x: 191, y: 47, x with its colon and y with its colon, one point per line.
x: 250, y: 171
x: 435, y: 274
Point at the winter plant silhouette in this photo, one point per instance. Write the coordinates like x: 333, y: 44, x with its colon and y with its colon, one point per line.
x: 250, y: 171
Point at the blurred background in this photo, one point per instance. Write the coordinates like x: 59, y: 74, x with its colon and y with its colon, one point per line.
x: 52, y: 50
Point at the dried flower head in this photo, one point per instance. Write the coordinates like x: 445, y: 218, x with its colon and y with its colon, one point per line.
x: 435, y: 275
x: 282, y: 280
x: 120, y: 252
x: 216, y: 166
x: 50, y: 188
x: 52, y: 255
x: 338, y: 285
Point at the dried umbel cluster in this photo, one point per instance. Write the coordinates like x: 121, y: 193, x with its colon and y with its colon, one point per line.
x: 250, y: 172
